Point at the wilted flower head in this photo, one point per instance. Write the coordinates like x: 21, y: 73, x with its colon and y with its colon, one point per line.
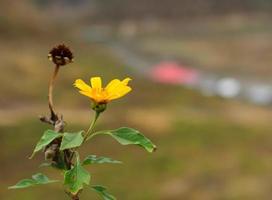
x: 61, y: 55
x: 114, y: 90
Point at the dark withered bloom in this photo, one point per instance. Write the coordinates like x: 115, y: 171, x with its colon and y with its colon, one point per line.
x: 61, y: 55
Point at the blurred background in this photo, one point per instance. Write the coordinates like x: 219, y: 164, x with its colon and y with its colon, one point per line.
x: 202, y: 92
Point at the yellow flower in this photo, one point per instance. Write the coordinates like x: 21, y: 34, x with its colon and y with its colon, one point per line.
x: 114, y: 90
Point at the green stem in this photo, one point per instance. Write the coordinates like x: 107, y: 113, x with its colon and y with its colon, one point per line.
x: 90, y: 129
x: 92, y: 135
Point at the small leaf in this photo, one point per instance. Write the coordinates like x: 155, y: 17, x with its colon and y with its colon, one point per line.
x: 42, y: 179
x: 126, y: 136
x: 23, y: 184
x: 93, y: 159
x: 46, y: 139
x: 71, y: 140
x: 103, y: 193
x: 76, y: 178
x: 37, y: 179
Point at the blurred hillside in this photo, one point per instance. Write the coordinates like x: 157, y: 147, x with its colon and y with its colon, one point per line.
x: 119, y: 10
x: 30, y: 17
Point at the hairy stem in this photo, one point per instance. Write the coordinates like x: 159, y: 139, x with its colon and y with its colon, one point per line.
x: 54, y: 116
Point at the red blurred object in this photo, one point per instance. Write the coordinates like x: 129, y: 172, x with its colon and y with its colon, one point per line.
x: 173, y: 73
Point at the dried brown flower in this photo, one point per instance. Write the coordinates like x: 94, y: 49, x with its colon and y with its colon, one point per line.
x: 61, y: 55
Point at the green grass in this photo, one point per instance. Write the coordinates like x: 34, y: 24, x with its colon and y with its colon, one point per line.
x: 194, y: 158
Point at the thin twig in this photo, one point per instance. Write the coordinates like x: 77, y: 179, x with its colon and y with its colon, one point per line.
x: 54, y: 116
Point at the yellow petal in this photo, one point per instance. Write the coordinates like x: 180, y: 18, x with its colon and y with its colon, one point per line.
x: 96, y: 83
x: 80, y: 84
x: 112, y: 85
x: 126, y: 80
x: 88, y: 94
x: 117, y: 88
x: 119, y: 92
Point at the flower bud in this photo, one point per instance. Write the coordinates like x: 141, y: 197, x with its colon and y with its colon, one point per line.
x: 99, y: 107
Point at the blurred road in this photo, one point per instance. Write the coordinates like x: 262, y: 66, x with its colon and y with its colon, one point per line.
x: 209, y: 84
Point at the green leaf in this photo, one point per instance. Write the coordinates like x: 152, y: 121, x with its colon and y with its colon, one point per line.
x: 37, y: 179
x: 42, y: 179
x: 76, y: 177
x: 47, y: 138
x: 71, y: 140
x: 23, y: 184
x: 126, y: 136
x: 93, y: 159
x: 103, y: 193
